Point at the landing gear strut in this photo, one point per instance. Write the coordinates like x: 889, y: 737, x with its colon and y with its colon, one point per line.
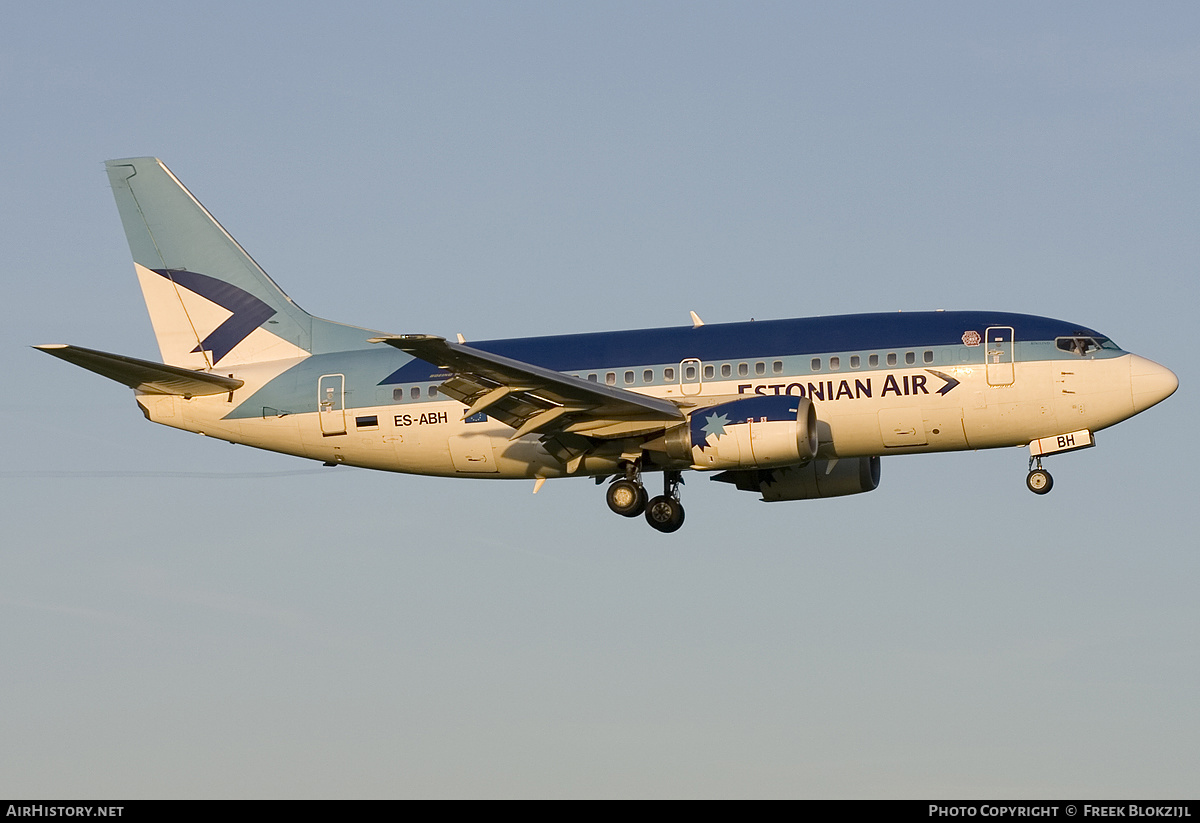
x: 627, y: 497
x: 1039, y: 480
x: 665, y: 512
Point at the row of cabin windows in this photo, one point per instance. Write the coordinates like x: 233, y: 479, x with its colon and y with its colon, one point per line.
x: 910, y: 358
x: 710, y: 371
x: 413, y: 394
x: 743, y: 369
x: 760, y: 368
x: 689, y: 372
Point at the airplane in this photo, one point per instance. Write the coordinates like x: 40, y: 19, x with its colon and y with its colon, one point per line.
x: 788, y: 409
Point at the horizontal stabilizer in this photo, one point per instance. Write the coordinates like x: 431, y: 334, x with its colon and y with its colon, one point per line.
x: 144, y: 375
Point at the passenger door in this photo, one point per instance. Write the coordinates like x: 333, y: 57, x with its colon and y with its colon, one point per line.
x: 331, y: 404
x: 1000, y: 355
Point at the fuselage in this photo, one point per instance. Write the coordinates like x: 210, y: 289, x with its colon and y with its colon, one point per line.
x: 789, y: 409
x: 880, y: 383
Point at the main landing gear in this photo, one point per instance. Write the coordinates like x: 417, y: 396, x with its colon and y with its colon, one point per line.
x: 627, y: 497
x: 1038, y: 480
x: 665, y: 512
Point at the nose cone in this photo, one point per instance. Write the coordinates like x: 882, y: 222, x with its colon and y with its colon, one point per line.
x: 1150, y: 382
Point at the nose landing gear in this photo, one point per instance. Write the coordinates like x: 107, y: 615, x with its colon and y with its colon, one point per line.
x: 1038, y: 480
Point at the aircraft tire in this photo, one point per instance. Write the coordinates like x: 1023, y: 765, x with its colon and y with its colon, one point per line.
x: 1039, y: 481
x: 665, y: 514
x: 626, y: 498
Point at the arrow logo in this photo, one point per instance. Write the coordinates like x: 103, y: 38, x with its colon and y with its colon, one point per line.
x: 950, y: 382
x: 248, y: 311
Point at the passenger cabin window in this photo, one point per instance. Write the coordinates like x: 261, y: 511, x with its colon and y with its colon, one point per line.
x: 628, y: 378
x: 835, y: 363
x: 816, y: 364
x: 648, y: 376
x: 689, y: 372
x: 669, y: 374
x: 928, y: 356
x: 909, y: 358
x: 891, y: 359
x: 855, y: 362
x: 760, y: 368
x: 611, y: 378
x: 777, y: 367
x: 592, y: 378
x: 873, y: 360
x: 743, y: 369
x: 709, y: 372
x: 432, y: 391
x: 726, y: 370
x: 415, y: 392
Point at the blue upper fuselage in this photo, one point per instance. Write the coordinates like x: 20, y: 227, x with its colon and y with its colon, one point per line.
x: 793, y: 341
x: 757, y: 339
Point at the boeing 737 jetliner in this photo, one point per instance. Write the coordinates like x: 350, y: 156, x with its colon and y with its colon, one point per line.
x: 788, y: 409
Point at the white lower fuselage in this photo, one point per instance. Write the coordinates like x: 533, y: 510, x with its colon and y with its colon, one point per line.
x: 861, y: 412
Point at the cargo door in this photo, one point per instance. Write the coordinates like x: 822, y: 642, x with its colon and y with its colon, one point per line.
x: 473, y: 453
x: 901, y: 427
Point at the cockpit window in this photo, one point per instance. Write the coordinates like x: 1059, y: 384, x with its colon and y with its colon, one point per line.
x: 1078, y: 344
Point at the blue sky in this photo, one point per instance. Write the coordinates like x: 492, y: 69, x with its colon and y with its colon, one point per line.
x: 187, y: 618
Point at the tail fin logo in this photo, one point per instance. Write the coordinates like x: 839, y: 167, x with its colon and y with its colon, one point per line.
x: 247, y: 311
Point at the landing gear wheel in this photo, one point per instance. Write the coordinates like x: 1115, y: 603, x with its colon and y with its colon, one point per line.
x: 626, y: 498
x: 664, y: 514
x: 1039, y: 481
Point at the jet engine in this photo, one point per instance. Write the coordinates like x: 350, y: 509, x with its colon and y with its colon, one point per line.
x: 756, y: 432
x: 819, y: 478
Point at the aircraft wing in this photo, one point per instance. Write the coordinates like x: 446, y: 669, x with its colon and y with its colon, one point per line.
x: 145, y: 375
x: 533, y: 399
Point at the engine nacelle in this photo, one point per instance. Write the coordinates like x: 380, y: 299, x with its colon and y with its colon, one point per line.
x: 820, y: 478
x: 757, y: 432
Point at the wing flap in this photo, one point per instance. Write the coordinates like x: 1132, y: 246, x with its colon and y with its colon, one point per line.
x: 533, y: 399
x: 144, y: 375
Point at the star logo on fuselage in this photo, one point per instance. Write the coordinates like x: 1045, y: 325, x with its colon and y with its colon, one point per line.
x: 714, y: 426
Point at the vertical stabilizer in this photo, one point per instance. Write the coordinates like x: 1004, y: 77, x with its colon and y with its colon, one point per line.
x: 210, y: 303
